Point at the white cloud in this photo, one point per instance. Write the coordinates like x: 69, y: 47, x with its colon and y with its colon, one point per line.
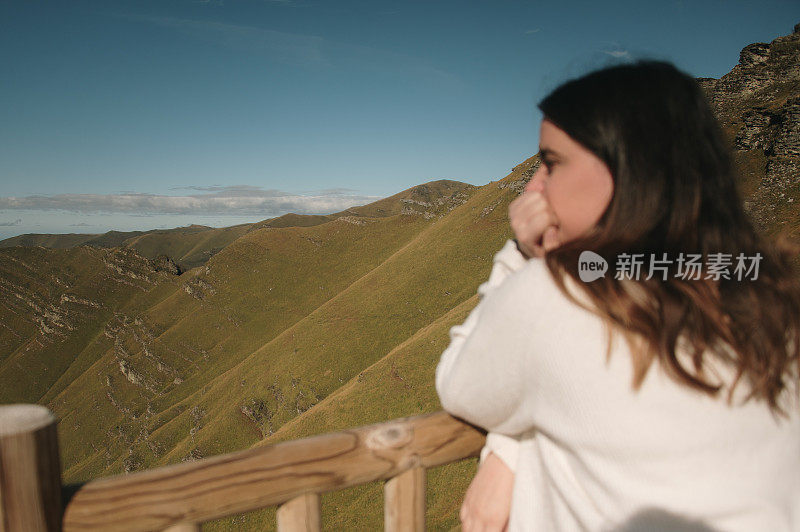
x: 616, y: 50
x: 617, y: 53
x: 11, y: 224
x: 215, y: 200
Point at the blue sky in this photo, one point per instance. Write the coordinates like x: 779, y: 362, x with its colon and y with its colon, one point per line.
x: 137, y: 115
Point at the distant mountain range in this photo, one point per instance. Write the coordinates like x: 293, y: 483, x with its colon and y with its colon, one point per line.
x: 164, y: 346
x: 192, y: 246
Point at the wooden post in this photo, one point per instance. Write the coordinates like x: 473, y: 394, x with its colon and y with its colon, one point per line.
x: 301, y: 514
x: 30, y: 469
x: 404, y: 501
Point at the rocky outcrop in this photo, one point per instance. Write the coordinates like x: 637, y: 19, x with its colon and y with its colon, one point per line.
x: 758, y: 104
x: 163, y: 263
x: 433, y: 207
x: 198, y: 288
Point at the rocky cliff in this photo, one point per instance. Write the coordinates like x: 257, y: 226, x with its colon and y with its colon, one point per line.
x: 758, y: 104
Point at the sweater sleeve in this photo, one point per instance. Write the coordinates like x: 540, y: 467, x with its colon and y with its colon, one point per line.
x: 481, y: 375
x: 505, y: 447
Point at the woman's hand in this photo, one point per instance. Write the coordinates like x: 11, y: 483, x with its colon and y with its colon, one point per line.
x: 534, y: 223
x: 487, y: 502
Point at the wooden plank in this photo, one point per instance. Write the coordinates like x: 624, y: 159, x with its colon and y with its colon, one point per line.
x: 30, y: 469
x: 301, y: 514
x: 260, y: 477
x: 404, y: 501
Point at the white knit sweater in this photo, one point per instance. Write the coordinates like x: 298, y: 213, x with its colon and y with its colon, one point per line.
x: 588, y: 452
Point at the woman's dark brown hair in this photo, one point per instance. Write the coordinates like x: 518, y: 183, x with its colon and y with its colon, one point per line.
x: 675, y: 191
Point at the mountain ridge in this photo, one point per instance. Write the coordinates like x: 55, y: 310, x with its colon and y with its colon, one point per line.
x: 205, y: 241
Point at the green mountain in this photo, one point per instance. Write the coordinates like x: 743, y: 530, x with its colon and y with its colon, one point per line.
x: 300, y: 325
x: 192, y: 246
x: 187, y: 247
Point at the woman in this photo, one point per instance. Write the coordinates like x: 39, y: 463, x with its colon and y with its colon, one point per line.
x: 693, y: 421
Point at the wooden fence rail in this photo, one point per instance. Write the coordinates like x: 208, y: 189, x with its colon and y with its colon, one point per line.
x: 179, y: 497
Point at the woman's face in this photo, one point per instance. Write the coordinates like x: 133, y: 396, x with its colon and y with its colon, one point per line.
x: 576, y: 183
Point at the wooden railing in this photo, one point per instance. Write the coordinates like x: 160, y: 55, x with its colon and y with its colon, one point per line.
x: 291, y: 475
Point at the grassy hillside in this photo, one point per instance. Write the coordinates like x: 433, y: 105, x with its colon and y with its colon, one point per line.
x: 223, y: 356
x: 175, y: 350
x: 188, y: 246
x: 397, y: 384
x: 48, y: 241
x: 53, y: 310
